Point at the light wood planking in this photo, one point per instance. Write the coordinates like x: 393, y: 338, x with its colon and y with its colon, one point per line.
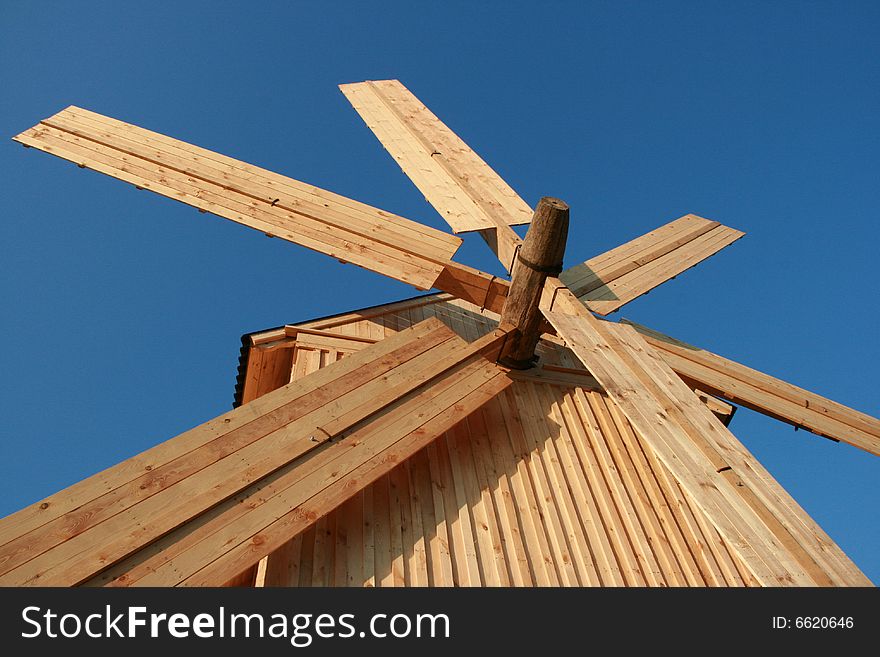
x: 771, y: 535
x: 466, y: 192
x: 276, y: 205
x: 274, y: 431
x: 454, y: 179
x: 485, y: 483
x: 605, y: 467
x: 144, y: 471
x: 512, y: 516
x: 764, y: 393
x: 607, y: 282
x: 236, y: 536
x: 672, y: 444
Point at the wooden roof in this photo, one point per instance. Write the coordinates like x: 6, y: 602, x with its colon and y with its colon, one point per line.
x: 547, y: 484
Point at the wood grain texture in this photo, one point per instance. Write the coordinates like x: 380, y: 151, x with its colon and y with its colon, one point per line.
x: 557, y: 487
x: 607, y: 282
x: 764, y: 393
x: 117, y: 515
x: 467, y: 193
x: 541, y: 253
x: 465, y: 190
x: 772, y: 536
x: 274, y: 204
x: 506, y: 499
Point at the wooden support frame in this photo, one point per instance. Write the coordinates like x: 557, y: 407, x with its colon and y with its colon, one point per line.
x: 778, y: 542
x: 608, y: 281
x: 765, y: 394
x: 273, y: 204
x: 467, y: 192
x: 388, y: 392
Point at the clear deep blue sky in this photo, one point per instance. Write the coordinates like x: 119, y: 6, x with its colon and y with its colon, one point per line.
x: 122, y: 310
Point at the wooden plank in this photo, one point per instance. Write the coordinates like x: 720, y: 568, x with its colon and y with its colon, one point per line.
x: 245, y: 553
x: 261, y: 446
x: 583, y: 485
x: 418, y: 567
x: 784, y: 547
x: 524, y: 440
x: 184, y: 489
x: 453, y: 178
x: 337, y: 518
x: 559, y: 376
x: 607, y: 282
x: 489, y: 541
x: 647, y: 277
x: 466, y: 192
x: 297, y: 228
x: 369, y: 557
x: 442, y: 549
x: 562, y: 490
x: 295, y: 481
x: 776, y: 509
x: 722, y: 410
x: 476, y: 287
x: 660, y: 564
x: 354, y: 521
x: 260, y: 183
x: 509, y: 554
x: 588, y: 447
x: 674, y: 536
x: 590, y: 275
x: 816, y: 552
x: 319, y: 563
x: 282, y: 566
x: 766, y: 394
x: 398, y: 258
x: 326, y: 340
x: 639, y: 558
x: 398, y: 547
x: 601, y: 351
x: 467, y: 561
x: 307, y: 556
x: 141, y: 476
x: 535, y: 533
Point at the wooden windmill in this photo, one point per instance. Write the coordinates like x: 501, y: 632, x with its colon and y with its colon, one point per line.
x: 494, y: 433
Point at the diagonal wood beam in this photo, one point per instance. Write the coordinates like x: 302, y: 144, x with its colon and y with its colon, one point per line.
x: 774, y: 537
x: 467, y: 192
x: 765, y: 394
x: 269, y: 202
x: 608, y: 281
x: 333, y: 430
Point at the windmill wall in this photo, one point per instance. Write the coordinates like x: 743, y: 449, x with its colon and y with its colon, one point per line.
x: 547, y: 484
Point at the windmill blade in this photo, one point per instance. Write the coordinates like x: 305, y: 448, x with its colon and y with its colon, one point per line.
x: 208, y: 504
x: 763, y: 393
x: 607, y: 282
x: 465, y: 190
x: 773, y: 536
x: 271, y: 203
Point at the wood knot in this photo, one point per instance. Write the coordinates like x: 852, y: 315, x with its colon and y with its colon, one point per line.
x: 44, y: 505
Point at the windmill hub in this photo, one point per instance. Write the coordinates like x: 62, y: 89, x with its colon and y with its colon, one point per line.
x: 539, y: 256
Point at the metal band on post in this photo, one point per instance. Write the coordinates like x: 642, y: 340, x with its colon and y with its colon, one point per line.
x: 552, y: 270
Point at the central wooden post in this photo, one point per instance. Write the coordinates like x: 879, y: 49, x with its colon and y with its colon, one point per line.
x: 539, y: 256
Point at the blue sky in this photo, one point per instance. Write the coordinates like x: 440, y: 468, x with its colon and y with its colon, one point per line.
x: 122, y: 310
